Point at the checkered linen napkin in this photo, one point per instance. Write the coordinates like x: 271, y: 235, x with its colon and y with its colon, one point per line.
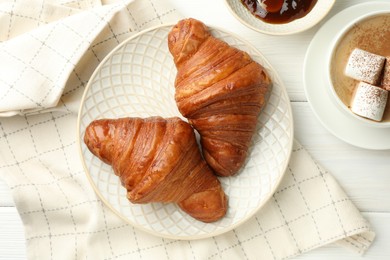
x: 48, y: 51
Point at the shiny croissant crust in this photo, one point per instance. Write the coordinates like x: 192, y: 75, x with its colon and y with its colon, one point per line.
x: 221, y: 90
x: 158, y: 160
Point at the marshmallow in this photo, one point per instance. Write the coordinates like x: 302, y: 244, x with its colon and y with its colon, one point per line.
x: 369, y: 101
x: 386, y: 75
x: 365, y: 66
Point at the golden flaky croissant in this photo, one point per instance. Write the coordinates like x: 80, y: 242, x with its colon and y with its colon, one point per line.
x: 221, y: 91
x: 158, y: 160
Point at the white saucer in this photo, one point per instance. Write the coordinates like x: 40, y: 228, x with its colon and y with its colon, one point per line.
x: 315, y: 85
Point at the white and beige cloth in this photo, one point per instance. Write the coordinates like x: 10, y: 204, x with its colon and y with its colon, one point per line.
x: 48, y: 51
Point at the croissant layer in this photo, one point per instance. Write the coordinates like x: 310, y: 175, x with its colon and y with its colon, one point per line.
x: 158, y: 160
x: 221, y: 91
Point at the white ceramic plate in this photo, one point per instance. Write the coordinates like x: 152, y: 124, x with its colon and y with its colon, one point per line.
x: 137, y: 79
x: 319, y: 11
x: 316, y: 87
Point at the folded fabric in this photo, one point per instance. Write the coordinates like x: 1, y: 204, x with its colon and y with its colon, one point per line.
x: 46, y: 46
x: 49, y: 50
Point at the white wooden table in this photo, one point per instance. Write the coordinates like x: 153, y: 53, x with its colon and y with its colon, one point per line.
x: 364, y: 174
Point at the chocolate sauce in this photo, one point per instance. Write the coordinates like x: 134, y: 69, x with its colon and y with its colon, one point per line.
x: 279, y: 11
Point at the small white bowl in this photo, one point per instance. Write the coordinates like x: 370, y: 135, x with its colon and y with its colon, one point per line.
x: 319, y: 11
x: 339, y: 55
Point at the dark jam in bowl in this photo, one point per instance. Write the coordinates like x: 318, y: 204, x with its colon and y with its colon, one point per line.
x: 279, y: 11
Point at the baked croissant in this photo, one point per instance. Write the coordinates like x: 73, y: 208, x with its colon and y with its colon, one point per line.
x: 221, y: 91
x: 158, y: 160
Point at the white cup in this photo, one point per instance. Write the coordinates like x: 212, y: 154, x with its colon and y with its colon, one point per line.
x: 340, y: 85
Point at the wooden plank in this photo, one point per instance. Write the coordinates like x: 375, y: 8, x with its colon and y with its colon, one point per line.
x: 5, y: 195
x: 12, y: 243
